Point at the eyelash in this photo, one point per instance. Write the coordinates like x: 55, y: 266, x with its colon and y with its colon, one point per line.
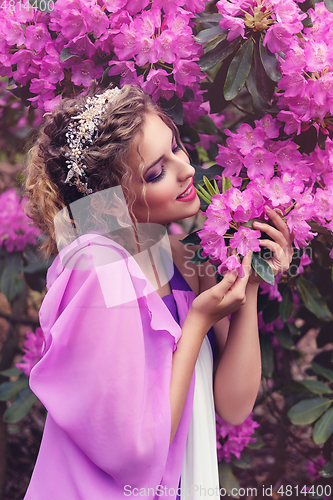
x: 162, y: 174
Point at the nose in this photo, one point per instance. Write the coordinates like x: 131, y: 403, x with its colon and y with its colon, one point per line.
x: 184, y: 168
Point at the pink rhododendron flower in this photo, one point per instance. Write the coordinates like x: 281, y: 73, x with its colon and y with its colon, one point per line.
x: 13, y: 33
x: 85, y: 72
x: 165, y: 46
x: 232, y: 263
x: 169, y: 6
x: 230, y: 160
x: 246, y: 239
x: 272, y: 290
x: 36, y: 37
x: 260, y: 162
x: 235, y: 26
x: 72, y: 23
x: 238, y: 436
x: 213, y: 245
x: 16, y: 229
x: 33, y: 348
x: 278, y: 192
x: 247, y: 138
x: 114, y: 5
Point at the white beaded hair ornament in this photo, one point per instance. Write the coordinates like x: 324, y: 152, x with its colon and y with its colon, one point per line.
x: 81, y: 132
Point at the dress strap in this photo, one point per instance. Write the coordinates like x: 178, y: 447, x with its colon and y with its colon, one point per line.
x: 178, y: 282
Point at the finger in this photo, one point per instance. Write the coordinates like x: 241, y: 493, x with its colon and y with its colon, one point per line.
x: 272, y: 232
x: 228, y: 280
x: 279, y: 253
x: 247, y: 263
x: 279, y: 223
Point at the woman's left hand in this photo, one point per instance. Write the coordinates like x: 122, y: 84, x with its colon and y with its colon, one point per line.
x: 281, y: 246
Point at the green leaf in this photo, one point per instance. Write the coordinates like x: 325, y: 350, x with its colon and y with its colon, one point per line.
x: 66, y: 54
x: 256, y: 445
x: 316, y: 386
x: 327, y: 470
x: 271, y: 311
x: 307, y: 22
x: 269, y: 61
x: 284, y: 339
x: 198, y: 258
x: 264, y: 84
x: 202, y: 17
x: 322, y: 253
x: 286, y: 306
x: 203, y: 194
x: 227, y: 479
x: 267, y: 356
x: 209, y: 186
x: 260, y: 106
x: 174, y: 108
x: 307, y: 411
x: 20, y: 407
x: 262, y: 268
x: 205, y: 125
x: 210, y: 34
x: 218, y: 53
x: 215, y: 89
x: 323, y: 428
x: 324, y: 372
x: 293, y: 329
x: 305, y: 6
x: 208, y: 172
x: 11, y: 372
x: 192, y: 239
x: 8, y: 390
x: 329, y: 5
x: 226, y: 184
x: 10, y: 283
x: 244, y: 462
x: 312, y: 299
x: 239, y: 70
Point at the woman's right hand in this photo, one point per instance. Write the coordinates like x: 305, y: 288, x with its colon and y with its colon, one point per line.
x: 221, y: 299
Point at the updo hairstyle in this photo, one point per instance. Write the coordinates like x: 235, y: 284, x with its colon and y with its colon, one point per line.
x: 105, y: 160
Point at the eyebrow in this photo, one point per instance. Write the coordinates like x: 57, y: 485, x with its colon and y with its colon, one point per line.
x: 160, y: 158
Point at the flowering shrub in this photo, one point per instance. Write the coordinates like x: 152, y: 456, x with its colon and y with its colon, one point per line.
x: 33, y: 346
x: 142, y: 42
x: 278, y: 20
x: 15, y: 227
x: 238, y: 436
x: 277, y: 175
x: 307, y: 76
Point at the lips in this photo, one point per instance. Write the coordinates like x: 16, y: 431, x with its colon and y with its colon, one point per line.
x: 187, y: 191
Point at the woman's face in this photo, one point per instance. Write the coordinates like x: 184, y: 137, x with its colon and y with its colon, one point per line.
x: 167, y: 175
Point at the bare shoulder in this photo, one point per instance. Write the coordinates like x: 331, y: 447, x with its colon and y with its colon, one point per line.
x: 182, y: 255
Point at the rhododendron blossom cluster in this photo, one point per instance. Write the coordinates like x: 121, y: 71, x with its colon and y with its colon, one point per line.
x: 16, y: 229
x: 307, y: 76
x: 147, y: 43
x: 239, y: 436
x: 281, y: 19
x: 33, y: 346
x: 265, y: 171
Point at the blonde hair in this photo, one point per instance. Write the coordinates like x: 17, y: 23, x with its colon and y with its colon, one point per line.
x: 106, y: 160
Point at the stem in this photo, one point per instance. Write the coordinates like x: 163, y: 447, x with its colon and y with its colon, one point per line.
x: 240, y: 108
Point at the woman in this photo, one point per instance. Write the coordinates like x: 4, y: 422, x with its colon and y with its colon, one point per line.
x: 127, y: 416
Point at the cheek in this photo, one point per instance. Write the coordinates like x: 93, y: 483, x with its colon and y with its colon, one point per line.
x: 161, y: 194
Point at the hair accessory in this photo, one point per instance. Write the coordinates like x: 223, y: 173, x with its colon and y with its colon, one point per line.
x: 81, y: 132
